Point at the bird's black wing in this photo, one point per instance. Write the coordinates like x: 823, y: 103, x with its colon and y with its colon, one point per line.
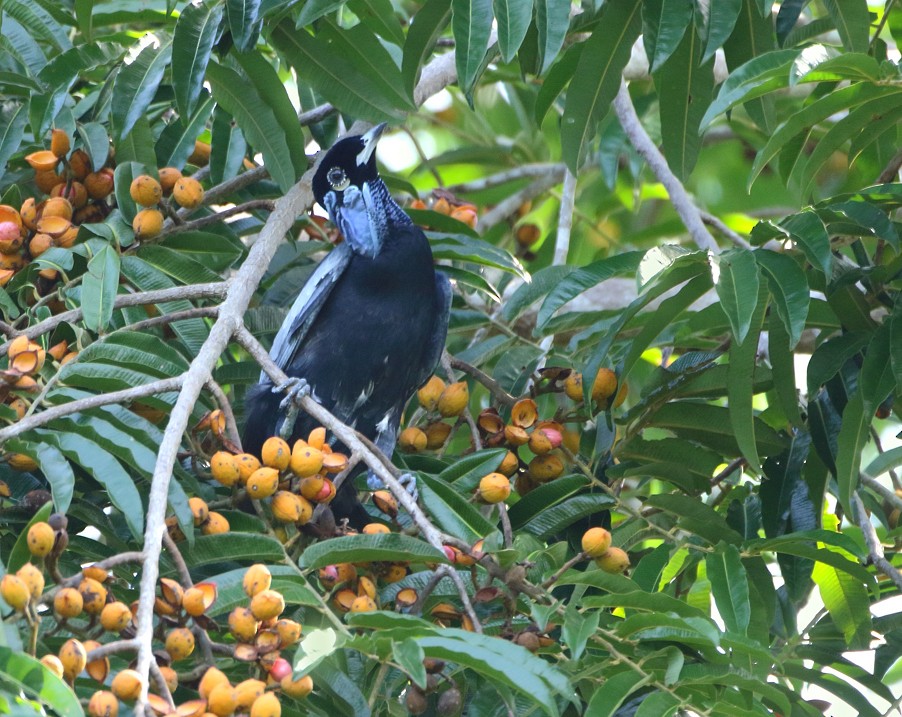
x: 307, y: 305
x: 433, y: 350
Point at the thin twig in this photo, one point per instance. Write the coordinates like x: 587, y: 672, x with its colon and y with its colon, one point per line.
x: 875, y: 485
x: 226, y: 407
x: 216, y: 217
x: 679, y: 197
x: 499, y: 394
x: 509, y: 205
x: 720, y: 226
x: 524, y: 171
x: 37, y: 420
x: 213, y: 290
x: 875, y: 549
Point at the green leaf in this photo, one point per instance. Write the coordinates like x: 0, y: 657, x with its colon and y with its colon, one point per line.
x: 754, y: 78
x: 478, y: 251
x: 729, y: 584
x: 84, y: 14
x: 227, y: 147
x: 577, y: 629
x: 471, y: 23
x: 735, y: 275
x: 105, y: 469
x: 740, y: 399
x: 552, y: 23
x: 192, y: 42
x: 452, y: 512
x: 13, y: 121
x: 244, y: 23
x: 335, y: 77
x: 212, y: 250
x: 502, y: 662
x: 685, y: 86
x: 783, y: 369
x: 658, y: 704
x: 696, y: 517
x: 839, y: 100
x: 753, y: 35
x: 135, y: 87
x: 38, y: 683
x: 96, y: 143
x: 179, y: 266
x: 598, y: 77
x: 370, y: 548
x: 272, y: 91
x: 664, y: 23
x: 209, y: 549
x: 177, y: 140
x: 852, y: 22
x: 513, y: 18
x: 99, y: 288
x: 426, y: 28
x: 466, y: 472
x: 53, y: 465
x: 562, y: 515
x: 613, y: 691
x: 578, y: 281
x: 808, y: 230
x: 789, y: 287
x: 315, y: 9
x: 846, y: 599
x: 543, y: 497
x: 257, y: 121
x: 557, y: 78
x: 409, y: 656
x: 722, y: 18
x: 380, y: 16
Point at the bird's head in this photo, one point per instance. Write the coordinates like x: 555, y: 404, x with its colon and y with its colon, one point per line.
x: 348, y: 186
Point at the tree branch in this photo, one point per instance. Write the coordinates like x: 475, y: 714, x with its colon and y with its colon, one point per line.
x: 213, y: 290
x: 875, y: 549
x: 679, y: 197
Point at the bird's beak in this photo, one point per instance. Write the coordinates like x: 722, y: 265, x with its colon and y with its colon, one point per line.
x: 370, y: 140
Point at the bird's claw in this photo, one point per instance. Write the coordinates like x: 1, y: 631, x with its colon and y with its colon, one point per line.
x: 407, y: 480
x: 295, y: 388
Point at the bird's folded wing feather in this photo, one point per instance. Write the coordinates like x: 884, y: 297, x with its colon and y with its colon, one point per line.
x: 308, y: 304
x: 436, y: 345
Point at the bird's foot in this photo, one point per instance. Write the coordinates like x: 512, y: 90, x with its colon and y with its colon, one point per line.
x: 295, y: 388
x: 407, y: 480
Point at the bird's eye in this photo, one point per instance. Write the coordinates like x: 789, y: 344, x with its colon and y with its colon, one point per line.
x: 338, y: 179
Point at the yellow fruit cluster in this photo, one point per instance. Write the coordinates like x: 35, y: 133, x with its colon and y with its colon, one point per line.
x: 463, y: 212
x: 291, y: 479
x: 147, y: 192
x: 440, y: 401
x: 603, y: 389
x: 596, y: 544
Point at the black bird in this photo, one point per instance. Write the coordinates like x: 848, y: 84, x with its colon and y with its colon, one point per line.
x: 369, y: 326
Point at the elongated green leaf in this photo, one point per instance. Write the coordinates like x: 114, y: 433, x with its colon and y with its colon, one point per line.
x: 852, y: 22
x: 192, y: 43
x: 381, y: 18
x: 789, y: 287
x: 846, y: 599
x: 729, y: 583
x: 135, y: 87
x: 238, y: 546
x: 562, y: 515
x: 427, y: 26
x: 513, y: 18
x: 471, y: 23
x: 783, y: 369
x: 552, y: 22
x: 272, y: 91
x: 366, y: 548
x: 613, y: 691
x: 735, y: 275
x: 99, y: 288
x: 753, y: 35
x: 452, y: 512
x: 466, y: 472
x: 230, y: 593
x: 13, y: 121
x: 227, y: 147
x: 754, y: 78
x: 105, y: 469
x: 244, y: 22
x: 697, y: 517
x: 38, y: 683
x: 664, y: 23
x: 597, y: 78
x: 556, y: 79
x: 722, y: 18
x: 875, y: 383
x: 543, y: 497
x: 84, y: 13
x: 335, y: 77
x: 240, y: 99
x: 503, y: 662
x: 96, y: 143
x: 685, y: 86
x: 843, y: 99
x: 177, y: 141
x: 54, y: 466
